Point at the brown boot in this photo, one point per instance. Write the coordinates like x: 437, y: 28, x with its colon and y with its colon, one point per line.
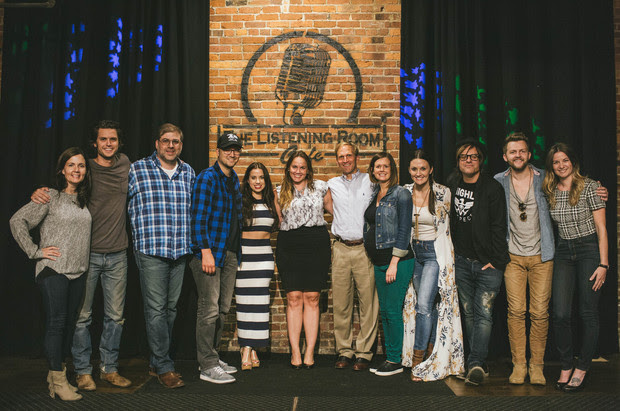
x: 519, y: 371
x: 115, y: 378
x: 85, y: 382
x: 60, y: 387
x: 418, y: 357
x: 429, y: 350
x: 536, y: 375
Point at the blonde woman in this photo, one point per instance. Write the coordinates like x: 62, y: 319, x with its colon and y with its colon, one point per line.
x: 581, y: 260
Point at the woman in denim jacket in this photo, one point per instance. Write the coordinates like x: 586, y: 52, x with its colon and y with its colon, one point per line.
x: 387, y: 232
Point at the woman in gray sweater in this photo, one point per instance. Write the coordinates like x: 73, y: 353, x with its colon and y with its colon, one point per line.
x: 62, y: 257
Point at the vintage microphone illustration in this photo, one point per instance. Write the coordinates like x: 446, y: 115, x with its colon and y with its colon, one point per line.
x: 302, y: 80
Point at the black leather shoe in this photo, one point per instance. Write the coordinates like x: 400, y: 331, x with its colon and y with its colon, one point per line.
x: 576, y: 388
x: 296, y: 366
x: 343, y: 362
x: 308, y: 366
x: 361, y: 364
x: 560, y: 385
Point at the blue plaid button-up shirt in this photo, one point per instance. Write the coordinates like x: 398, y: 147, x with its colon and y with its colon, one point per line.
x: 159, y: 208
x: 212, y: 212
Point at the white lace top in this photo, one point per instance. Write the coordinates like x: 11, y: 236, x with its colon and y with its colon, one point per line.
x: 306, y: 208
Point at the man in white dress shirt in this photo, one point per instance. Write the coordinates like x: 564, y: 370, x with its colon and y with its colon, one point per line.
x: 347, y: 199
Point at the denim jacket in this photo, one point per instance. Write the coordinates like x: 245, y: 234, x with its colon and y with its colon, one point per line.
x: 393, y: 220
x: 547, y: 246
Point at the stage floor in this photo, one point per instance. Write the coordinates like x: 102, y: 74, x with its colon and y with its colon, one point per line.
x: 276, y: 386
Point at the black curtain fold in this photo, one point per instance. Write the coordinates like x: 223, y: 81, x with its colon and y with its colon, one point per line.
x: 494, y: 67
x: 62, y: 71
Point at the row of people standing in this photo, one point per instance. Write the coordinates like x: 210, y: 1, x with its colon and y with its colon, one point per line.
x: 154, y: 202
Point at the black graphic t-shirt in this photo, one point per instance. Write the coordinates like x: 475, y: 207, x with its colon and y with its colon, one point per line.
x: 463, y: 204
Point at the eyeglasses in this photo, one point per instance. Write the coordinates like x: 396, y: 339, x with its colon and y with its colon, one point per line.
x: 472, y: 157
x: 523, y: 215
x: 166, y: 142
x: 231, y: 151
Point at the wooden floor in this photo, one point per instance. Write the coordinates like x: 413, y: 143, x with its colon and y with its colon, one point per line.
x: 22, y: 374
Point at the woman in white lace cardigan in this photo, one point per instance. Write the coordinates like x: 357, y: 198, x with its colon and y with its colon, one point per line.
x: 443, y: 355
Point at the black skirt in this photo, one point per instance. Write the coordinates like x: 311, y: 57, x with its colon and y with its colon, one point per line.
x: 303, y: 257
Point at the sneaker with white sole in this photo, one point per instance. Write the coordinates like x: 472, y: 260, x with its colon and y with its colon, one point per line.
x: 475, y: 376
x: 228, y: 369
x: 216, y: 375
x: 375, y: 368
x: 389, y: 368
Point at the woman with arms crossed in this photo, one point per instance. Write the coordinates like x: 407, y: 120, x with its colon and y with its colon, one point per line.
x: 580, y: 262
x: 303, y: 253
x: 62, y: 257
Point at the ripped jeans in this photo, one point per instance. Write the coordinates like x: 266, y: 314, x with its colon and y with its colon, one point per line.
x: 477, y: 290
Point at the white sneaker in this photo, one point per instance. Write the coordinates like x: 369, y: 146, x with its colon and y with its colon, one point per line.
x: 229, y: 369
x: 216, y: 375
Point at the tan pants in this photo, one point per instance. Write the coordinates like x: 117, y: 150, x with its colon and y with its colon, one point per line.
x: 351, y: 271
x: 520, y: 272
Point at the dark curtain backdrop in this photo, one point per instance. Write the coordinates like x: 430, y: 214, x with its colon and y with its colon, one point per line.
x: 142, y: 63
x: 483, y: 69
x: 469, y: 69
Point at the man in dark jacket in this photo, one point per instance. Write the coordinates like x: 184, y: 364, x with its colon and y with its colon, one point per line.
x: 478, y: 224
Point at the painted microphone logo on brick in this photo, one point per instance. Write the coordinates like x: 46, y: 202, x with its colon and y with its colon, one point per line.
x: 291, y: 103
x: 302, y: 79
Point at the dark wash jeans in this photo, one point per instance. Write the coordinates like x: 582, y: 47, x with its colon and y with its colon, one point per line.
x: 61, y: 298
x: 477, y: 290
x: 575, y: 262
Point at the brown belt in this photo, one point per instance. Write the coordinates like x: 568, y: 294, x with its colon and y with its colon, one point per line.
x: 350, y: 243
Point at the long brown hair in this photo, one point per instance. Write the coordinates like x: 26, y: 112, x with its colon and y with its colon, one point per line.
x: 287, y: 192
x: 551, y: 180
x: 423, y: 155
x: 247, y: 200
x: 393, y: 171
x: 83, y: 189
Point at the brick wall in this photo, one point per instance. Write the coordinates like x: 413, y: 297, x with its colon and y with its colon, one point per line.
x: 304, y: 74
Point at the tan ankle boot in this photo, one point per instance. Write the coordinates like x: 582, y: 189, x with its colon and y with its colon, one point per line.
x: 85, y: 382
x: 60, y: 386
x: 536, y: 375
x: 418, y: 357
x: 519, y: 371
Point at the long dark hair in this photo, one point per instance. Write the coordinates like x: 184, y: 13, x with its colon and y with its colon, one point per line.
x: 423, y: 155
x: 393, y: 170
x: 83, y: 189
x: 287, y: 192
x: 247, y: 203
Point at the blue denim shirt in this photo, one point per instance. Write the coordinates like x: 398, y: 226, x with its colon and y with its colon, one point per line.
x: 547, y: 245
x: 393, y: 220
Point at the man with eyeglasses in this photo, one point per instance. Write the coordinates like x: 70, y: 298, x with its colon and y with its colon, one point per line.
x: 160, y: 192
x: 216, y: 232
x: 478, y: 224
x: 531, y: 249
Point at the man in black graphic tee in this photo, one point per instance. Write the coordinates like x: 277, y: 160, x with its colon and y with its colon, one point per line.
x: 478, y: 224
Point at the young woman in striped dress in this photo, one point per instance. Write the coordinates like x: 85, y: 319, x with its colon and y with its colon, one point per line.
x: 260, y: 216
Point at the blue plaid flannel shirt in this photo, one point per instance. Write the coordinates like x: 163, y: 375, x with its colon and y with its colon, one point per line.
x: 212, y: 210
x: 159, y: 208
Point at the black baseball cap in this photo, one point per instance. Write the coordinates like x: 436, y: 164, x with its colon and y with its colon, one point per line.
x: 227, y: 140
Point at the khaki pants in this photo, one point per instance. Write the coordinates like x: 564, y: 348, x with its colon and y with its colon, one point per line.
x: 351, y: 271
x: 520, y: 272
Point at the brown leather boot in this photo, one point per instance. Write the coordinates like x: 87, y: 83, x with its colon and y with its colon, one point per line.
x: 418, y: 357
x: 60, y: 387
x: 429, y: 350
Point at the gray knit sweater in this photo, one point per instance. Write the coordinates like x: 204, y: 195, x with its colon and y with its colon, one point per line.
x: 64, y: 225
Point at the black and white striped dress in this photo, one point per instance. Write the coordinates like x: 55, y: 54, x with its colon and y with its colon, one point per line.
x: 252, y: 284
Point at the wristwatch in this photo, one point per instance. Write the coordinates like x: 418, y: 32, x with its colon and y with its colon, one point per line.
x: 605, y: 266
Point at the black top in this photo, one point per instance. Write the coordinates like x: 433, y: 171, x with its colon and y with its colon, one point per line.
x: 378, y: 257
x: 463, y: 199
